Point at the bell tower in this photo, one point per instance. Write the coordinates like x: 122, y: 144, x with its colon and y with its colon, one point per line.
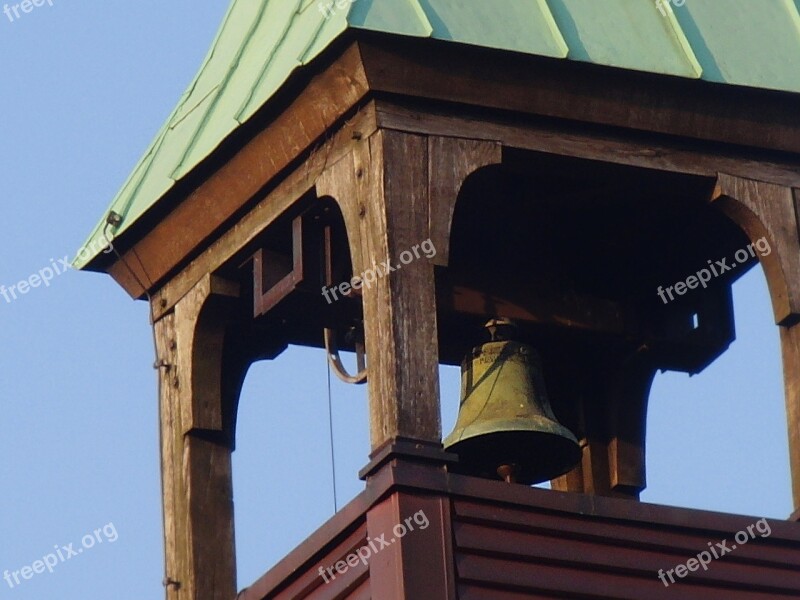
x: 564, y: 180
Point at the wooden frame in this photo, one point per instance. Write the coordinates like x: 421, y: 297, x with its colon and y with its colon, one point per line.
x: 528, y: 85
x: 392, y: 139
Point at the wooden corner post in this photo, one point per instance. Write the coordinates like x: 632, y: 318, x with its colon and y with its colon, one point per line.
x: 196, y: 443
x: 382, y: 189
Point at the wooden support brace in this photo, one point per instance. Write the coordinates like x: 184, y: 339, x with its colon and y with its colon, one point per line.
x: 450, y: 162
x: 768, y: 210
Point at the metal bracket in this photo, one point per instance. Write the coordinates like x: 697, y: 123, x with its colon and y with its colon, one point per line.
x: 267, y: 292
x: 332, y: 350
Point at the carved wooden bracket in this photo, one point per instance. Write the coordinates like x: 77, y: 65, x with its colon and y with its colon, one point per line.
x: 768, y: 210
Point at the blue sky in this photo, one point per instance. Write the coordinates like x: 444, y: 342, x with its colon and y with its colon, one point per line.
x: 84, y: 86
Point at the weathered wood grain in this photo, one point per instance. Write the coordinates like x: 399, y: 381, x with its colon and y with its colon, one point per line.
x: 240, y: 236
x: 643, y: 102
x: 656, y: 152
x: 790, y: 352
x: 766, y: 209
x: 383, y: 194
x: 195, y: 448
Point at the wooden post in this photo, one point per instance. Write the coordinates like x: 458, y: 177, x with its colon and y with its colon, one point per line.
x: 396, y: 191
x: 196, y: 445
x: 772, y: 211
x: 382, y: 188
x: 417, y: 561
x: 630, y: 392
x: 790, y: 350
x: 611, y: 426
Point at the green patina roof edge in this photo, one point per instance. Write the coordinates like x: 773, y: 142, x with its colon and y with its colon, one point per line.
x: 678, y: 44
x: 100, y: 231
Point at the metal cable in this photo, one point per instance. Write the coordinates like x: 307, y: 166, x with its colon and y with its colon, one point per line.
x: 330, y: 427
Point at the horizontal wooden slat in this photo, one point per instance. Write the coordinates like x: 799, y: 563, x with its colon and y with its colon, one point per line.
x: 688, y: 539
x: 512, y: 542
x: 309, y: 583
x: 511, y: 575
x: 346, y: 529
x: 362, y: 592
x: 341, y: 587
x: 470, y: 591
x: 608, y: 557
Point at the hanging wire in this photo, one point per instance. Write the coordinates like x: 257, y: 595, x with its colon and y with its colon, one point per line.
x: 330, y: 427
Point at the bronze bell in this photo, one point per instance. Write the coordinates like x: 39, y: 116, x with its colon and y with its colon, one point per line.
x: 506, y: 427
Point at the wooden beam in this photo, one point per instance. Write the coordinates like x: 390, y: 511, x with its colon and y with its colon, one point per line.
x: 581, y: 92
x: 557, y: 309
x: 656, y: 152
x: 188, y: 217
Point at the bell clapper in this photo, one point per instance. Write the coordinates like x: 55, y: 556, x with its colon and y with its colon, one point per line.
x: 508, y: 473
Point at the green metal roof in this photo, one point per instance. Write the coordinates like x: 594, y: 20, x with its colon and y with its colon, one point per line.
x: 261, y: 42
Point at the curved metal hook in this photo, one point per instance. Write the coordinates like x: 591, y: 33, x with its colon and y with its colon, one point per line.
x: 332, y: 350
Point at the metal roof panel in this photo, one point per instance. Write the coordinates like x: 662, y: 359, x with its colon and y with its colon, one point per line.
x: 401, y: 17
x: 260, y: 44
x: 503, y: 24
x: 759, y: 52
x: 625, y: 34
